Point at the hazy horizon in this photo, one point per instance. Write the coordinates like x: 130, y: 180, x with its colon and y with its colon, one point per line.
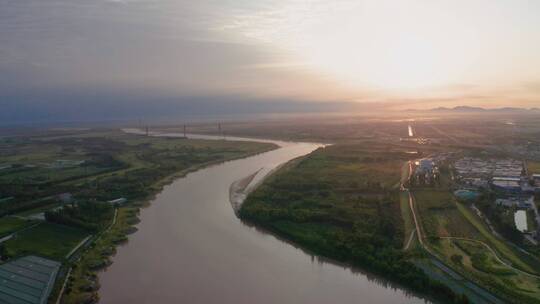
x: 117, y: 59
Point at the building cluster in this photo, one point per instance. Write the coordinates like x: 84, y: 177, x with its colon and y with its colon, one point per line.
x: 504, y: 174
x: 522, y: 202
x: 536, y: 180
x: 426, y: 172
x: 528, y: 151
x: 507, y: 178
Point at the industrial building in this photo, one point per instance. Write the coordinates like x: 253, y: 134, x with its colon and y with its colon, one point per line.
x: 475, y: 182
x: 523, y: 202
x: 470, y: 167
x: 507, y: 185
x: 502, y: 174
x: 425, y: 165
x: 27, y: 280
x: 426, y: 171
x: 536, y: 180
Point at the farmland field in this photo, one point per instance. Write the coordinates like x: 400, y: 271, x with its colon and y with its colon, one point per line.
x: 11, y: 224
x: 67, y: 177
x: 533, y: 167
x: 481, y: 265
x: 47, y: 240
x: 460, y: 239
x: 440, y: 215
x: 37, y: 169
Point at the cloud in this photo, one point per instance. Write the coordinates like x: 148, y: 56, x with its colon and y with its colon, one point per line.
x: 56, y: 54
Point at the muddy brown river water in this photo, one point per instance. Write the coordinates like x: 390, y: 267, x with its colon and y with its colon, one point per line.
x: 191, y: 248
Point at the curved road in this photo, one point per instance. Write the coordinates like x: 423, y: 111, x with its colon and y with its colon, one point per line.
x: 493, y: 252
x: 479, y: 291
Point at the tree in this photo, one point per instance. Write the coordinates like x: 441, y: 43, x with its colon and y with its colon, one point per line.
x: 2, y: 252
x: 457, y: 259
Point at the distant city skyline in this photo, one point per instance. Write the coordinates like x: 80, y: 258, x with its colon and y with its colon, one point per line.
x: 130, y: 55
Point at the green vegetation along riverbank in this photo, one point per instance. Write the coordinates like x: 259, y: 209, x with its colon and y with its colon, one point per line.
x: 74, y: 195
x: 342, y: 202
x: 476, y: 238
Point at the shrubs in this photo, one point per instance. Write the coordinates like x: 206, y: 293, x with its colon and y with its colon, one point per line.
x: 335, y: 203
x: 457, y: 259
x: 87, y: 215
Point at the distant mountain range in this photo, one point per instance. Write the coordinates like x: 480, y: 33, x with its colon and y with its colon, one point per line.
x: 468, y: 109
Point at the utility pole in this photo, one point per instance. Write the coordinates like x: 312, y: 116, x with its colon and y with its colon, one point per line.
x: 219, y: 129
x: 185, y: 136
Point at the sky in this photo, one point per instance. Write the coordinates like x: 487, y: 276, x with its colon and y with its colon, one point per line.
x: 70, y: 59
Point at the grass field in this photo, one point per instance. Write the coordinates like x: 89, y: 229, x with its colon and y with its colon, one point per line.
x: 38, y: 162
x: 34, y: 160
x: 9, y: 225
x: 440, y: 215
x: 475, y: 262
x: 42, y: 208
x: 533, y: 167
x: 131, y: 166
x: 46, y: 239
x: 408, y: 221
x: 102, y: 164
x: 94, y: 258
x: 38, y: 175
x: 500, y: 246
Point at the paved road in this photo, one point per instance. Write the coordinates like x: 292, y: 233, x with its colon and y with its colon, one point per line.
x: 409, y: 241
x: 436, y: 261
x: 494, y: 253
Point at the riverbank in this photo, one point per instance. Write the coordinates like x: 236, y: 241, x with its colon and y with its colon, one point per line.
x: 195, y: 250
x: 340, y: 202
x: 82, y: 285
x: 238, y: 191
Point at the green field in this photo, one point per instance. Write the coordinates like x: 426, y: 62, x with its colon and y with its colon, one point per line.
x: 500, y: 246
x: 9, y: 225
x: 116, y: 164
x: 47, y: 240
x: 480, y: 264
x: 339, y: 185
x: 101, y: 164
x: 408, y: 221
x: 440, y: 216
x: 94, y: 258
x: 342, y: 202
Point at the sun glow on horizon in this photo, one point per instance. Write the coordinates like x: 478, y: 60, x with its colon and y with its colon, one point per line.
x: 389, y: 45
x: 405, y: 63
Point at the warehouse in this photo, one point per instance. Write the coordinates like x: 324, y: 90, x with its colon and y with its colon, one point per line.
x: 29, y: 279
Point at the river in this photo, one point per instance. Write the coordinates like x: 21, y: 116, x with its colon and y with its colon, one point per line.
x: 191, y: 248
